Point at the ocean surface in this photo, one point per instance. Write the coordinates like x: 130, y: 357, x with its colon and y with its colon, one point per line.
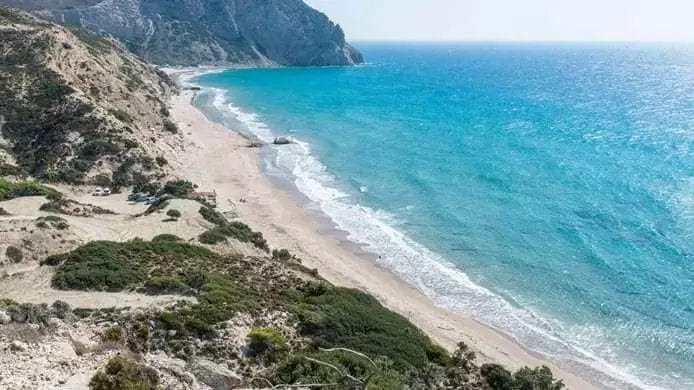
x: 546, y: 190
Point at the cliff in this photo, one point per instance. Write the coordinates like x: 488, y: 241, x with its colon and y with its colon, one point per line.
x: 209, y: 32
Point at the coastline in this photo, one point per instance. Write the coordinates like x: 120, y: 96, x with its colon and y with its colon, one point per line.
x: 217, y: 158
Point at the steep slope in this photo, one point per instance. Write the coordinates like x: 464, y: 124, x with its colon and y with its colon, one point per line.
x: 209, y: 32
x: 77, y: 107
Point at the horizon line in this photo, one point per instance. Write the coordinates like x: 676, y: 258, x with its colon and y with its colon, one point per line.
x: 463, y: 40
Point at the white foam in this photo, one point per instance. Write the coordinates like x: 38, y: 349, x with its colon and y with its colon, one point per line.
x: 419, y: 266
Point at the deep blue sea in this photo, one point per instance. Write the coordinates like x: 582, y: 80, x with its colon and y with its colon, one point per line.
x: 546, y: 190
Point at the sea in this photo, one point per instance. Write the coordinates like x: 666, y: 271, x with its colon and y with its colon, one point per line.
x: 544, y: 189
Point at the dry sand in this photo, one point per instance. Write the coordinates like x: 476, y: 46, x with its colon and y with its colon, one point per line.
x: 218, y: 159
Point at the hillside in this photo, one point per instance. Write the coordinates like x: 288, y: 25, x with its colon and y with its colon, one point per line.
x: 76, y: 107
x: 209, y: 32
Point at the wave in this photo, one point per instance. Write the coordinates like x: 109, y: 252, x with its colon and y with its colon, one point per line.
x: 424, y: 269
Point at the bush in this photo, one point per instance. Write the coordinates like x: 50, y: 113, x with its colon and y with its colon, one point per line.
x: 126, y: 374
x: 539, y: 378
x: 281, y: 255
x: 14, y: 254
x: 161, y: 161
x: 267, y: 343
x: 11, y: 190
x: 165, y: 285
x: 497, y: 377
x: 212, y: 237
x: 113, y: 334
x: 114, y: 266
x: 212, y: 216
x: 175, y: 214
x: 170, y: 126
x: 96, y: 266
x: 166, y: 237
x: 178, y: 188
x: 339, y: 317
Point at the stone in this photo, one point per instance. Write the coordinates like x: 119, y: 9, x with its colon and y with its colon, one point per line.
x: 282, y: 141
x: 18, y: 346
x: 4, y: 318
x: 213, y: 375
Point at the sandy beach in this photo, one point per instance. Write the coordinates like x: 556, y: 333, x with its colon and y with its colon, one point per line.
x: 219, y: 159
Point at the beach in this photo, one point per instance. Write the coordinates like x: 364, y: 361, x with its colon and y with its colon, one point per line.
x: 219, y: 159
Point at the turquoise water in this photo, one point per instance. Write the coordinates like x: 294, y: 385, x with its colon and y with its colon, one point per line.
x: 547, y: 190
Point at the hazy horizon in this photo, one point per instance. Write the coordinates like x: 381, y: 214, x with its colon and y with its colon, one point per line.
x: 637, y: 21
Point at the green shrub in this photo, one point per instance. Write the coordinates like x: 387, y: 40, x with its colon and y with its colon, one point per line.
x: 166, y: 237
x: 165, y: 285
x: 14, y: 254
x: 126, y: 374
x: 96, y: 266
x: 170, y: 126
x: 113, y: 334
x: 212, y: 216
x: 161, y: 161
x: 12, y: 170
x: 173, y: 214
x: 212, y: 237
x: 178, y: 188
x: 11, y: 190
x: 497, y: 377
x: 539, y: 378
x: 281, y: 255
x: 339, y: 317
x: 266, y: 343
x: 114, y: 266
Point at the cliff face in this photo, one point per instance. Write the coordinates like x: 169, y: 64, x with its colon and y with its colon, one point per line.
x: 209, y: 32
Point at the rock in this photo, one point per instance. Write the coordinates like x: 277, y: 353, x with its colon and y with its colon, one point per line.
x: 213, y: 375
x: 282, y: 141
x: 18, y: 346
x: 283, y: 32
x: 4, y: 318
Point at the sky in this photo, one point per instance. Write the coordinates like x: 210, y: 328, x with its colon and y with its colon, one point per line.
x: 513, y: 20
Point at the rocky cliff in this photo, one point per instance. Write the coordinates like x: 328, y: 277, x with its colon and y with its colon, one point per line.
x: 209, y: 32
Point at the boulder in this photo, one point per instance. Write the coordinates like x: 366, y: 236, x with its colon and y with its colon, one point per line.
x: 213, y: 375
x: 4, y: 318
x: 282, y: 141
x: 18, y: 346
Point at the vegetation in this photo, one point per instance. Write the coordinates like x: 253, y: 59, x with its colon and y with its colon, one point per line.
x: 52, y: 222
x: 266, y: 343
x: 126, y: 374
x: 174, y: 214
x: 14, y: 254
x: 113, y: 334
x: 341, y: 336
x: 11, y: 190
x: 225, y: 229
x: 178, y: 188
x: 166, y: 237
x: 170, y: 126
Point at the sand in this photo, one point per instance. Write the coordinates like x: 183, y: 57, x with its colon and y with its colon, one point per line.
x: 219, y: 159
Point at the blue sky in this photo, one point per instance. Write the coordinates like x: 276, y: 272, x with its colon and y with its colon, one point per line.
x: 519, y: 20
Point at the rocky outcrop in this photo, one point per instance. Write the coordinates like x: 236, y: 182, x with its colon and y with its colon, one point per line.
x: 209, y: 32
x: 213, y: 375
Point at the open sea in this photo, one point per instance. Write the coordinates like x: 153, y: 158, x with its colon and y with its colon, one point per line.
x: 546, y: 190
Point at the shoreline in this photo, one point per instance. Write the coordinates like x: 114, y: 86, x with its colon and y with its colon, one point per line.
x: 217, y: 158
